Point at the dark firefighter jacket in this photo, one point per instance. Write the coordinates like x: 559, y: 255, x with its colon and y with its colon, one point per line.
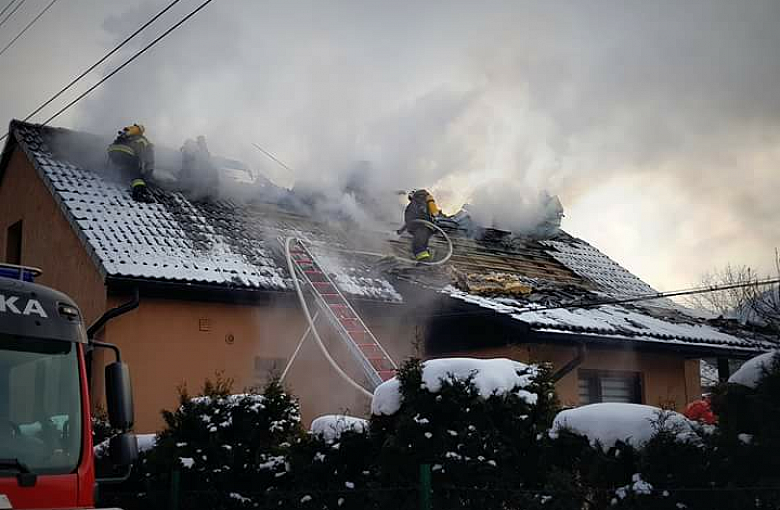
x: 138, y: 146
x: 422, y: 207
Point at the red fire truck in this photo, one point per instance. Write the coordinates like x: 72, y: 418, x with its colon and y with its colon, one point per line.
x: 46, y: 455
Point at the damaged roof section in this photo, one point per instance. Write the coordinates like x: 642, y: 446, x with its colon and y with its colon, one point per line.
x: 553, y: 287
x: 178, y: 240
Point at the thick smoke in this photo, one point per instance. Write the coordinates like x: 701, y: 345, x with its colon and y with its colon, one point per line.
x: 656, y: 122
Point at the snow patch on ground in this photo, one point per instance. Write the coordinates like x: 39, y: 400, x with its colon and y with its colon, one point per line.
x: 331, y: 426
x: 490, y: 376
x: 753, y: 370
x: 608, y: 423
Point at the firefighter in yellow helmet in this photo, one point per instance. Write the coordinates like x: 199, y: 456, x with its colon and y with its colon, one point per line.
x: 421, y: 206
x: 133, y: 154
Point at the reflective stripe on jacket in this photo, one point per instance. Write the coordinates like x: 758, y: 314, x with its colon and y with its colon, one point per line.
x: 138, y: 146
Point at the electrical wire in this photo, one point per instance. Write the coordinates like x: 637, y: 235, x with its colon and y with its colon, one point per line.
x: 6, y: 7
x: 102, y: 59
x: 31, y: 23
x: 307, y: 314
x: 661, y: 295
x: 12, y: 12
x: 128, y: 61
x: 614, y: 301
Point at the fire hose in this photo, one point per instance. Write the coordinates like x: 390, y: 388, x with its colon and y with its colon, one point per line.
x: 307, y: 314
x: 446, y: 238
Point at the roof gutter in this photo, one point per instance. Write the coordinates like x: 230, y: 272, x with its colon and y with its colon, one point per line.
x: 692, y: 350
x: 572, y: 364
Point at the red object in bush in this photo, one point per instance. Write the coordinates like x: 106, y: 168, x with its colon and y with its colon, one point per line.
x: 700, y: 410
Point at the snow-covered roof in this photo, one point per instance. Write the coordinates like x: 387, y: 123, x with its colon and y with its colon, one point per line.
x: 213, y: 242
x: 617, y: 322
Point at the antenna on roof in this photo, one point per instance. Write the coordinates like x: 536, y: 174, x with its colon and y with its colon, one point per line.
x: 273, y: 158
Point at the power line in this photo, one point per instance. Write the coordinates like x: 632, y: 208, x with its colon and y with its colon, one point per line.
x: 661, y: 295
x: 273, y: 157
x: 102, y: 59
x: 12, y: 12
x: 615, y: 301
x: 31, y: 23
x: 6, y: 7
x: 127, y: 62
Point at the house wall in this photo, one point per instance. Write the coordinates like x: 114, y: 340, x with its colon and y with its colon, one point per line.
x: 163, y: 343
x: 48, y: 241
x: 164, y: 346
x: 667, y: 379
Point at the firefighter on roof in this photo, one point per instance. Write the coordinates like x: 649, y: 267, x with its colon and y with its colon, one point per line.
x: 133, y: 154
x: 421, y: 206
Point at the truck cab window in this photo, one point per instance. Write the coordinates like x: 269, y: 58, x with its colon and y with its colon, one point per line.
x: 40, y: 412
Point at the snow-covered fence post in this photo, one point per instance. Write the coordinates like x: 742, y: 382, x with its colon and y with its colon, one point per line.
x: 426, y: 501
x: 174, y: 494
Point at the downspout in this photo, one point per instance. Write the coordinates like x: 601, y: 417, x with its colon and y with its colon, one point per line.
x: 723, y: 369
x: 571, y: 365
x: 113, y: 313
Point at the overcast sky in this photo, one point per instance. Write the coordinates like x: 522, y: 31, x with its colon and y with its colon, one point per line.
x: 657, y: 123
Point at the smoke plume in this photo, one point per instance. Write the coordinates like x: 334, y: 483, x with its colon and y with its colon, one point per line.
x: 655, y: 122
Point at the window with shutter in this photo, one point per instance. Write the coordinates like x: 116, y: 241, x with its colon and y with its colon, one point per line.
x: 609, y: 386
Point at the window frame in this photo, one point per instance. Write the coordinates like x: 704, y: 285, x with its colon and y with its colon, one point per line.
x: 14, y: 236
x: 595, y: 376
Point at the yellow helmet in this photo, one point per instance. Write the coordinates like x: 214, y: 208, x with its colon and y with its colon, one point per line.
x: 134, y: 130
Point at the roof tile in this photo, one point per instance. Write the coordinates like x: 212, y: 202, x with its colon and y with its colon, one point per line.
x: 175, y: 239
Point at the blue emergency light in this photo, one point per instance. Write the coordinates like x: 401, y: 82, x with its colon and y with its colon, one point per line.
x: 24, y: 273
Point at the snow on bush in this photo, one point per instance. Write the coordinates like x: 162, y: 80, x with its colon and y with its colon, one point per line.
x: 331, y: 426
x: 477, y: 422
x: 230, y: 444
x: 490, y: 377
x: 145, y: 443
x: 753, y: 370
x: 637, y: 486
x: 608, y: 423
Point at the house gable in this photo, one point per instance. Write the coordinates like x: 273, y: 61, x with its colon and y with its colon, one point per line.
x: 47, y: 239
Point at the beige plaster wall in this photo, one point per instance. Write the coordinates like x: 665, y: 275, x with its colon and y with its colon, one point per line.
x: 48, y: 241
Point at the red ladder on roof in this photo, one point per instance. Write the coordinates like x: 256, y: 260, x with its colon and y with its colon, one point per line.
x: 362, y: 344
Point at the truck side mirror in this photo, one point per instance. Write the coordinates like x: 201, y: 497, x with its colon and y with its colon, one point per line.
x: 123, y: 449
x: 119, y: 396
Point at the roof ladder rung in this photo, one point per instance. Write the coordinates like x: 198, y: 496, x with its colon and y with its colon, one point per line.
x: 363, y: 345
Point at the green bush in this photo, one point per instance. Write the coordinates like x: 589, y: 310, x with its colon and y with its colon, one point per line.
x: 487, y: 452
x: 230, y: 451
x: 484, y: 452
